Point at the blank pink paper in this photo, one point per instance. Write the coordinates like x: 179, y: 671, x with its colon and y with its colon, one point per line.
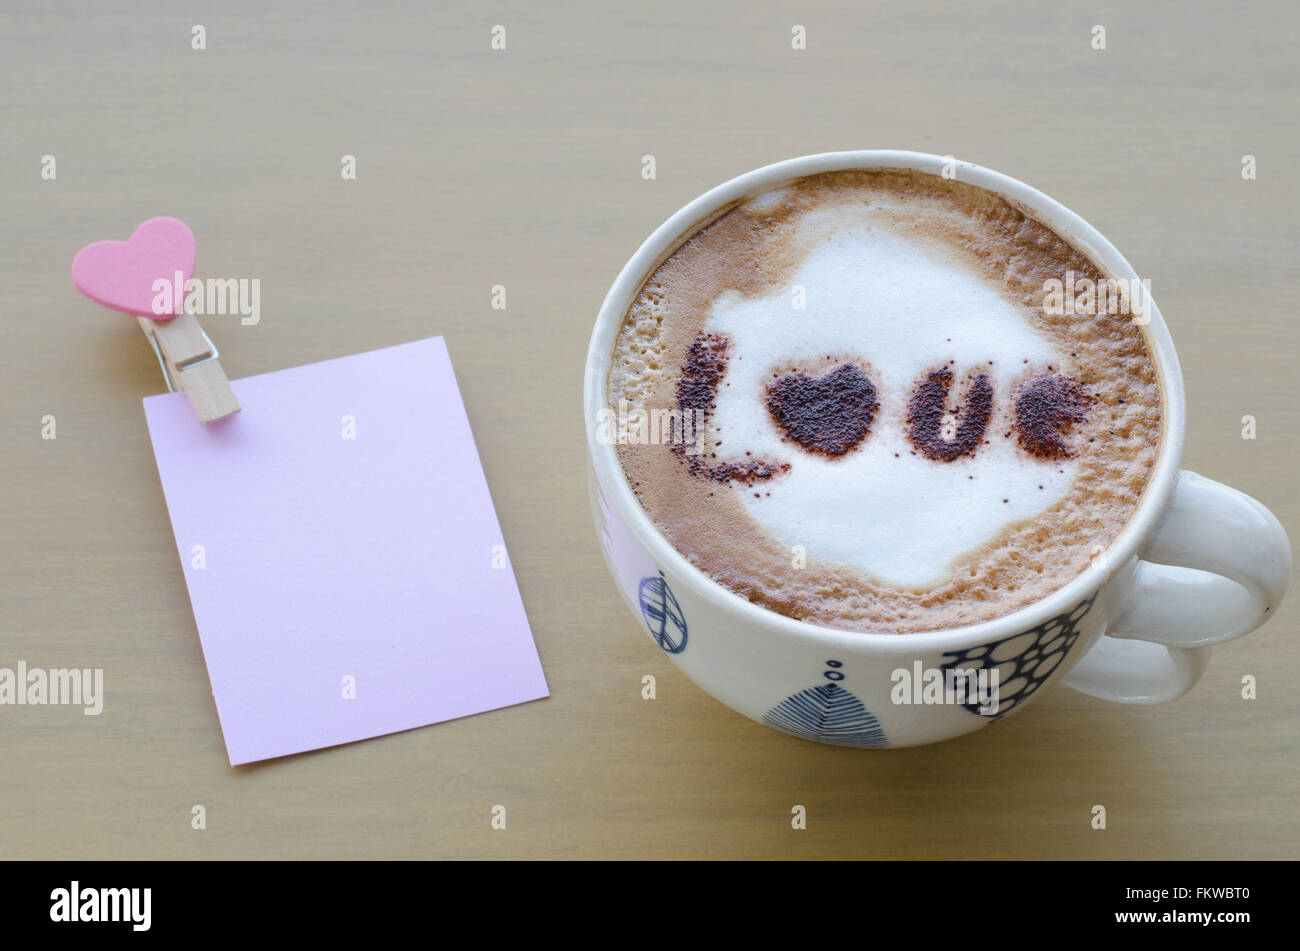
x: 343, y: 558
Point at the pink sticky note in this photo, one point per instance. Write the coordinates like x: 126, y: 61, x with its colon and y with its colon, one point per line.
x: 343, y: 558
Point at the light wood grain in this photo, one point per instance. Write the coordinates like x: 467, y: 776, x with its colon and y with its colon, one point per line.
x: 522, y: 168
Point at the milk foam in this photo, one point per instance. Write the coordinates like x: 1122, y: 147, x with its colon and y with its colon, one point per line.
x: 901, y: 309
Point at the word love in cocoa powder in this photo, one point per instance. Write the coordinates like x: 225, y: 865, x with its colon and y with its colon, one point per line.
x: 831, y: 415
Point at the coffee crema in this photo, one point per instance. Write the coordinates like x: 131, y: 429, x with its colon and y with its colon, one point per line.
x: 896, y: 434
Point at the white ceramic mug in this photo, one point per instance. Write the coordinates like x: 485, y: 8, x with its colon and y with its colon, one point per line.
x: 1199, y: 563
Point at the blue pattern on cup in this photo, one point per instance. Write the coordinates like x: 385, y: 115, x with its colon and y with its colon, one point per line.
x: 663, y: 615
x: 828, y: 713
x: 1024, y: 661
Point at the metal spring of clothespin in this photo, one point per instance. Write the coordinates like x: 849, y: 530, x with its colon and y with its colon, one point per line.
x: 152, y: 334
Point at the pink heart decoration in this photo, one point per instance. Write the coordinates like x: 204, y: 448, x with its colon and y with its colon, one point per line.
x: 121, y: 274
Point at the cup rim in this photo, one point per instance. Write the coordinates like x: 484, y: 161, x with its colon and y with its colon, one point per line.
x: 687, y: 220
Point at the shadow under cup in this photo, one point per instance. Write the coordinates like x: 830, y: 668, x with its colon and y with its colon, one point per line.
x: 871, y: 690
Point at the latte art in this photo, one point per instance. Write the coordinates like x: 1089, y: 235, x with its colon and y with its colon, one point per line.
x: 926, y: 416
x: 830, y: 415
x: 908, y: 501
x: 896, y: 435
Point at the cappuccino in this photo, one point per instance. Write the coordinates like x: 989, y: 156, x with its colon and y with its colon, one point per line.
x: 897, y: 426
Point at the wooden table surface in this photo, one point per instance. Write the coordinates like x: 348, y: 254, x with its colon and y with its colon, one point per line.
x: 522, y: 168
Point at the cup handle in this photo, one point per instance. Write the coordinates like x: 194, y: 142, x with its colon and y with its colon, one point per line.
x: 1215, y: 568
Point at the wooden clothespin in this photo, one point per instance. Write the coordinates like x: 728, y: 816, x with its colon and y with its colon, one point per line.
x: 146, y: 276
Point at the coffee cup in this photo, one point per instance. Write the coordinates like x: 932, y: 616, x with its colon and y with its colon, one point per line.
x: 1197, y: 563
